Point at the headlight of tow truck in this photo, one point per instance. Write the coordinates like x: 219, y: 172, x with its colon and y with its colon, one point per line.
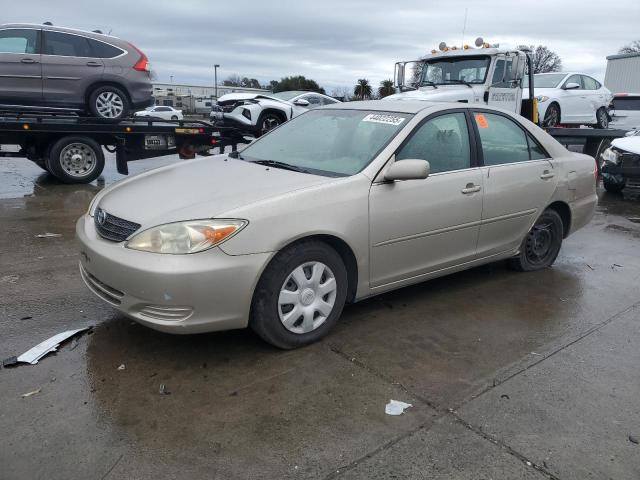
x: 610, y: 156
x: 542, y: 98
x: 185, y: 237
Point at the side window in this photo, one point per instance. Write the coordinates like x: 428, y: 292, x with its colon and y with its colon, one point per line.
x: 314, y: 101
x: 574, y: 79
x: 328, y: 101
x: 15, y: 40
x: 503, y: 141
x: 536, y: 152
x: 498, y: 72
x: 103, y: 50
x: 65, y: 45
x: 443, y: 141
x: 589, y: 83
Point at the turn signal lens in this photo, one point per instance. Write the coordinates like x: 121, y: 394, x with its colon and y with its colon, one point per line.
x: 185, y: 237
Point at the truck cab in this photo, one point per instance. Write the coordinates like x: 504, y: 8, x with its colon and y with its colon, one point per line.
x: 485, y: 75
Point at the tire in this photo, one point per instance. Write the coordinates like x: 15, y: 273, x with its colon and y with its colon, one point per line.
x: 552, y: 116
x: 602, y: 118
x: 173, y: 117
x: 613, y: 187
x: 541, y: 245
x: 75, y: 160
x: 267, y: 121
x: 109, y: 103
x: 299, y: 323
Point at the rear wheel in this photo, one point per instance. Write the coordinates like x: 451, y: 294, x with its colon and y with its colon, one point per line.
x: 542, y: 243
x: 300, y: 296
x: 602, y: 118
x: 75, y: 160
x: 552, y: 116
x: 109, y: 103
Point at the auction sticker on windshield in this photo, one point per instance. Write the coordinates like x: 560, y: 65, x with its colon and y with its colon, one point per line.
x: 382, y: 118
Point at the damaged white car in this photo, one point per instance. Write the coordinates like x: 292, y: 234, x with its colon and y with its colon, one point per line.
x: 257, y: 113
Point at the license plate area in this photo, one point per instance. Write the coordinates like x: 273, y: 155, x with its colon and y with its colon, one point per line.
x: 159, y: 142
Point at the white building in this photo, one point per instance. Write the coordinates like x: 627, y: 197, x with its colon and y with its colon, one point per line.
x: 623, y: 73
x: 194, y: 98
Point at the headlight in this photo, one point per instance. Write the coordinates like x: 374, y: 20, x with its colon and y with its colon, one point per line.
x: 610, y: 156
x: 542, y: 98
x: 185, y: 237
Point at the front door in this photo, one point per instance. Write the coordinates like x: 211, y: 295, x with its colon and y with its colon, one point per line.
x: 20, y: 67
x: 505, y: 91
x: 421, y: 226
x: 519, y: 179
x: 68, y: 67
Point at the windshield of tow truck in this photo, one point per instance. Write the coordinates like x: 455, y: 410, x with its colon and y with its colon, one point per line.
x: 447, y: 71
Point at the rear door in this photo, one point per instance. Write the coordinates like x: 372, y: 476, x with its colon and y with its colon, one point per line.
x: 518, y: 177
x: 20, y: 67
x: 574, y: 104
x: 595, y: 95
x: 68, y: 68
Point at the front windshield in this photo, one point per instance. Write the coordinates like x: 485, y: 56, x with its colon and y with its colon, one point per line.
x: 445, y: 71
x: 330, y: 142
x: 551, y: 80
x: 286, y: 95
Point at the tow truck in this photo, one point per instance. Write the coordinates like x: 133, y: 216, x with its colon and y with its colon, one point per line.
x: 488, y: 75
x: 71, y: 147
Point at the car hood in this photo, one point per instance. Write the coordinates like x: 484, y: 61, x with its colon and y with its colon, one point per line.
x: 247, y: 96
x: 444, y: 93
x: 196, y: 189
x: 629, y: 144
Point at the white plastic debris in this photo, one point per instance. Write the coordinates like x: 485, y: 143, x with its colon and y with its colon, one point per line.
x: 50, y: 345
x: 28, y: 394
x: 395, y: 407
x: 48, y: 235
x: 122, y: 367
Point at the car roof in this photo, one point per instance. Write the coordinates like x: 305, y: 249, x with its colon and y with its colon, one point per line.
x: 55, y: 28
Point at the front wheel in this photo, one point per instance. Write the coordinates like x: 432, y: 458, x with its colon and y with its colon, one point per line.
x: 109, y: 103
x: 552, y: 116
x: 541, y: 245
x: 174, y: 117
x: 300, y: 296
x: 75, y: 160
x: 267, y: 122
x: 613, y: 186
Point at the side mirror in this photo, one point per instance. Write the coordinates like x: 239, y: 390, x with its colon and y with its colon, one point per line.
x: 301, y: 102
x: 407, y: 170
x: 571, y: 86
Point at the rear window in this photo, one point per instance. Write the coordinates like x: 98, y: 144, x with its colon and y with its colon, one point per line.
x: 66, y: 45
x: 104, y: 50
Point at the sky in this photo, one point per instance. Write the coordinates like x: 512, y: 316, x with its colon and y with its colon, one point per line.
x: 335, y: 42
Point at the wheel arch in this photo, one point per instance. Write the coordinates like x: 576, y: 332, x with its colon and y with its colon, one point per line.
x: 280, y: 113
x: 563, y: 209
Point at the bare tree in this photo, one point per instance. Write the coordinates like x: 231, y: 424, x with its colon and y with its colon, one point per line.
x: 341, y: 93
x: 544, y: 60
x: 633, y: 47
x: 233, y: 81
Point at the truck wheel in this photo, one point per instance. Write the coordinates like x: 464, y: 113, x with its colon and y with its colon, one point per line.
x: 75, y: 160
x: 612, y: 186
x: 541, y: 245
x: 268, y: 121
x: 602, y: 118
x: 109, y: 103
x: 552, y: 116
x: 300, y: 295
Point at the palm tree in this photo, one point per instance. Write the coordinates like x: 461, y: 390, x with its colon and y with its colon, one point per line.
x: 363, y: 89
x: 386, y: 88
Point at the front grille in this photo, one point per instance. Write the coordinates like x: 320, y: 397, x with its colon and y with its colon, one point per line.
x: 113, y: 228
x: 229, y: 105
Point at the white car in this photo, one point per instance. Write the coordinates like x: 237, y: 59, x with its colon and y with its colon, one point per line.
x: 257, y: 113
x: 571, y: 99
x: 161, y: 111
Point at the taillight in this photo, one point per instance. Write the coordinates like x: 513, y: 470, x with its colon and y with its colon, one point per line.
x: 142, y: 65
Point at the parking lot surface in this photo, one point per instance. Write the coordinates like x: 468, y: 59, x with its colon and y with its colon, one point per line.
x: 511, y: 375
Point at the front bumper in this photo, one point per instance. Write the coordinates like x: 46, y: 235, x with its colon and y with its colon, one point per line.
x: 202, y: 292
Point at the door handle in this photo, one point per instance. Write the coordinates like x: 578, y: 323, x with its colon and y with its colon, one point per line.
x: 28, y: 60
x: 546, y: 175
x: 470, y: 188
x: 93, y: 64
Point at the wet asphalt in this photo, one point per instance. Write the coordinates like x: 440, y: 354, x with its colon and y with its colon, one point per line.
x: 510, y: 375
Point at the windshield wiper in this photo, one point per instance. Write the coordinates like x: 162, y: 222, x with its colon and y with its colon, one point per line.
x: 459, y: 81
x: 429, y: 83
x: 282, y: 165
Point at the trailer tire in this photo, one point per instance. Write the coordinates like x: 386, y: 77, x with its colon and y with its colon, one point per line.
x: 75, y: 159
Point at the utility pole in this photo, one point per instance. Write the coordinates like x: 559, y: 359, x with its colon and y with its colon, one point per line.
x: 215, y: 81
x: 171, y: 77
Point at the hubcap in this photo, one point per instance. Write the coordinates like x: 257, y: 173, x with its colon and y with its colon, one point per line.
x: 78, y: 160
x: 109, y: 105
x: 307, y: 297
x: 539, y: 242
x: 604, y: 121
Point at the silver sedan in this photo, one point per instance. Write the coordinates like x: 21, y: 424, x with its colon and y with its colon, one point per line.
x: 337, y: 205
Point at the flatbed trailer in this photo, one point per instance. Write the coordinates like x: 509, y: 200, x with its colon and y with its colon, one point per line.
x: 71, y: 147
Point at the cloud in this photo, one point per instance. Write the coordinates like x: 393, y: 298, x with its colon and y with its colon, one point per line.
x: 335, y: 41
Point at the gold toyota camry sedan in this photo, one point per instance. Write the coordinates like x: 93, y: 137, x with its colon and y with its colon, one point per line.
x: 339, y: 204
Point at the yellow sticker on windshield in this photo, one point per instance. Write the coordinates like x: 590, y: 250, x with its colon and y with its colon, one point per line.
x: 481, y: 120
